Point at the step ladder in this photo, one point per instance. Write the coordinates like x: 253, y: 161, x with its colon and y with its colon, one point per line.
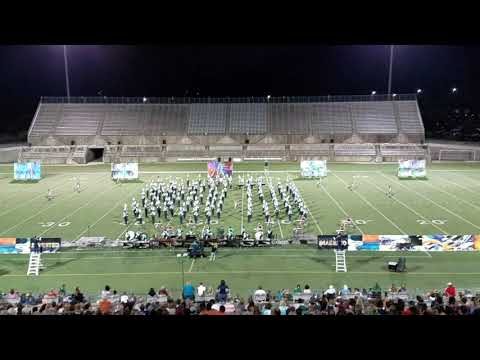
x: 35, y: 264
x: 340, y: 261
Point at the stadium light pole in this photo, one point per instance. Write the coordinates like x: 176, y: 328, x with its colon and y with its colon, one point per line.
x: 67, y: 81
x: 390, y: 70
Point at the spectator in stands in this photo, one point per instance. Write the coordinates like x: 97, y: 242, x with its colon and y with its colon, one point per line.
x: 201, y: 289
x: 267, y: 310
x: 78, y: 296
x: 152, y: 292
x: 188, y: 291
x: 106, y: 292
x: 13, y: 296
x: 260, y: 294
x: 105, y: 306
x: 222, y: 291
x: 63, y: 290
x: 307, y: 290
x: 393, y: 289
x: 163, y: 291
x: 330, y: 293
x: 297, y: 290
x: 450, y: 290
x: 345, y: 291
x: 124, y: 298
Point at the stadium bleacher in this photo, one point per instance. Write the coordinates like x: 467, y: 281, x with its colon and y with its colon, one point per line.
x: 242, y: 128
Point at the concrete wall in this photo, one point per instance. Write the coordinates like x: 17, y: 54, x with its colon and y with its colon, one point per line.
x: 9, y: 155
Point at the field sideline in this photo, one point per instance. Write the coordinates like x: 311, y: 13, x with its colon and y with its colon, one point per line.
x: 448, y: 202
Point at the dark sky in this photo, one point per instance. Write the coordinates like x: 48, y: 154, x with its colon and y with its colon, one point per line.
x: 28, y: 72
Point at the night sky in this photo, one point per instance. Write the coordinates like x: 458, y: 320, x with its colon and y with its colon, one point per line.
x: 28, y: 72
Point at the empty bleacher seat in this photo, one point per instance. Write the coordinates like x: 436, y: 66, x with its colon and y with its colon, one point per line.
x: 409, y: 117
x: 289, y: 118
x: 374, y: 117
x: 248, y: 118
x: 331, y: 118
x: 354, y: 150
x: 207, y: 119
x: 79, y: 119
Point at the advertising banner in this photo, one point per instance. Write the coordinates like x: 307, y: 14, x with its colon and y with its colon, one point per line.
x: 30, y: 170
x: 7, y: 246
x: 448, y: 242
x: 128, y: 171
x: 412, y: 169
x: 313, y: 168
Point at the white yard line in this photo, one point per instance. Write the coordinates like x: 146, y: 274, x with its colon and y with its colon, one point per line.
x: 460, y: 186
x: 280, y: 272
x: 191, y: 266
x: 409, y: 208
x: 308, y: 208
x: 95, y: 198
x: 34, y: 198
x: 433, y: 202
x: 104, y: 215
x: 450, y: 194
x: 341, y: 208
x: 373, y: 207
x: 55, y: 203
x: 50, y: 257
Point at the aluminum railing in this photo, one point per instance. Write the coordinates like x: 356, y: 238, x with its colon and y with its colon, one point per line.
x: 216, y: 100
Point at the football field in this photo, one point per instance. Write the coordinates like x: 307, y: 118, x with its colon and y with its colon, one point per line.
x: 448, y: 202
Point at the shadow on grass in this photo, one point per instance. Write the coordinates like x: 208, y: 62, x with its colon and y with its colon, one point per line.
x: 368, y: 260
x: 24, y: 181
x: 323, y: 260
x: 4, y: 272
x: 138, y: 181
x: 60, y: 263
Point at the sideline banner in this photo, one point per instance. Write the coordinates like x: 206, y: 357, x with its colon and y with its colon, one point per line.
x: 412, y: 169
x: 313, y: 168
x: 24, y: 245
x: 30, y: 170
x: 128, y: 171
x: 330, y: 241
x: 413, y: 242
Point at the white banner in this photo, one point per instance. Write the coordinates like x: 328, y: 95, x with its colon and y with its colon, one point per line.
x: 128, y: 171
x: 313, y: 168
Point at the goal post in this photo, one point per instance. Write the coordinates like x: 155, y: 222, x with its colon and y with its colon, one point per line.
x: 457, y: 155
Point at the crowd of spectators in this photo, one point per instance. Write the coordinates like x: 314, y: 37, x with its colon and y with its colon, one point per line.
x: 203, y: 300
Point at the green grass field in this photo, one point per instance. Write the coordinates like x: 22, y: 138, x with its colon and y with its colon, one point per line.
x: 446, y: 203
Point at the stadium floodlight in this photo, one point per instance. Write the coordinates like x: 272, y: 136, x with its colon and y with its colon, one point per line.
x: 394, y: 95
x: 268, y: 97
x: 65, y: 63
x: 419, y: 91
x: 374, y: 92
x: 454, y: 90
x: 144, y: 99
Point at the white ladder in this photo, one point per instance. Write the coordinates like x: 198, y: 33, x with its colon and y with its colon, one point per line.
x: 35, y: 264
x: 340, y: 261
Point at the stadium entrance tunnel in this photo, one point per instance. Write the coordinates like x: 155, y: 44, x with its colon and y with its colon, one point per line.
x: 95, y: 155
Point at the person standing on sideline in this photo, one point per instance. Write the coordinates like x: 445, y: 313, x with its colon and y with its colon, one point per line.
x: 213, y: 253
